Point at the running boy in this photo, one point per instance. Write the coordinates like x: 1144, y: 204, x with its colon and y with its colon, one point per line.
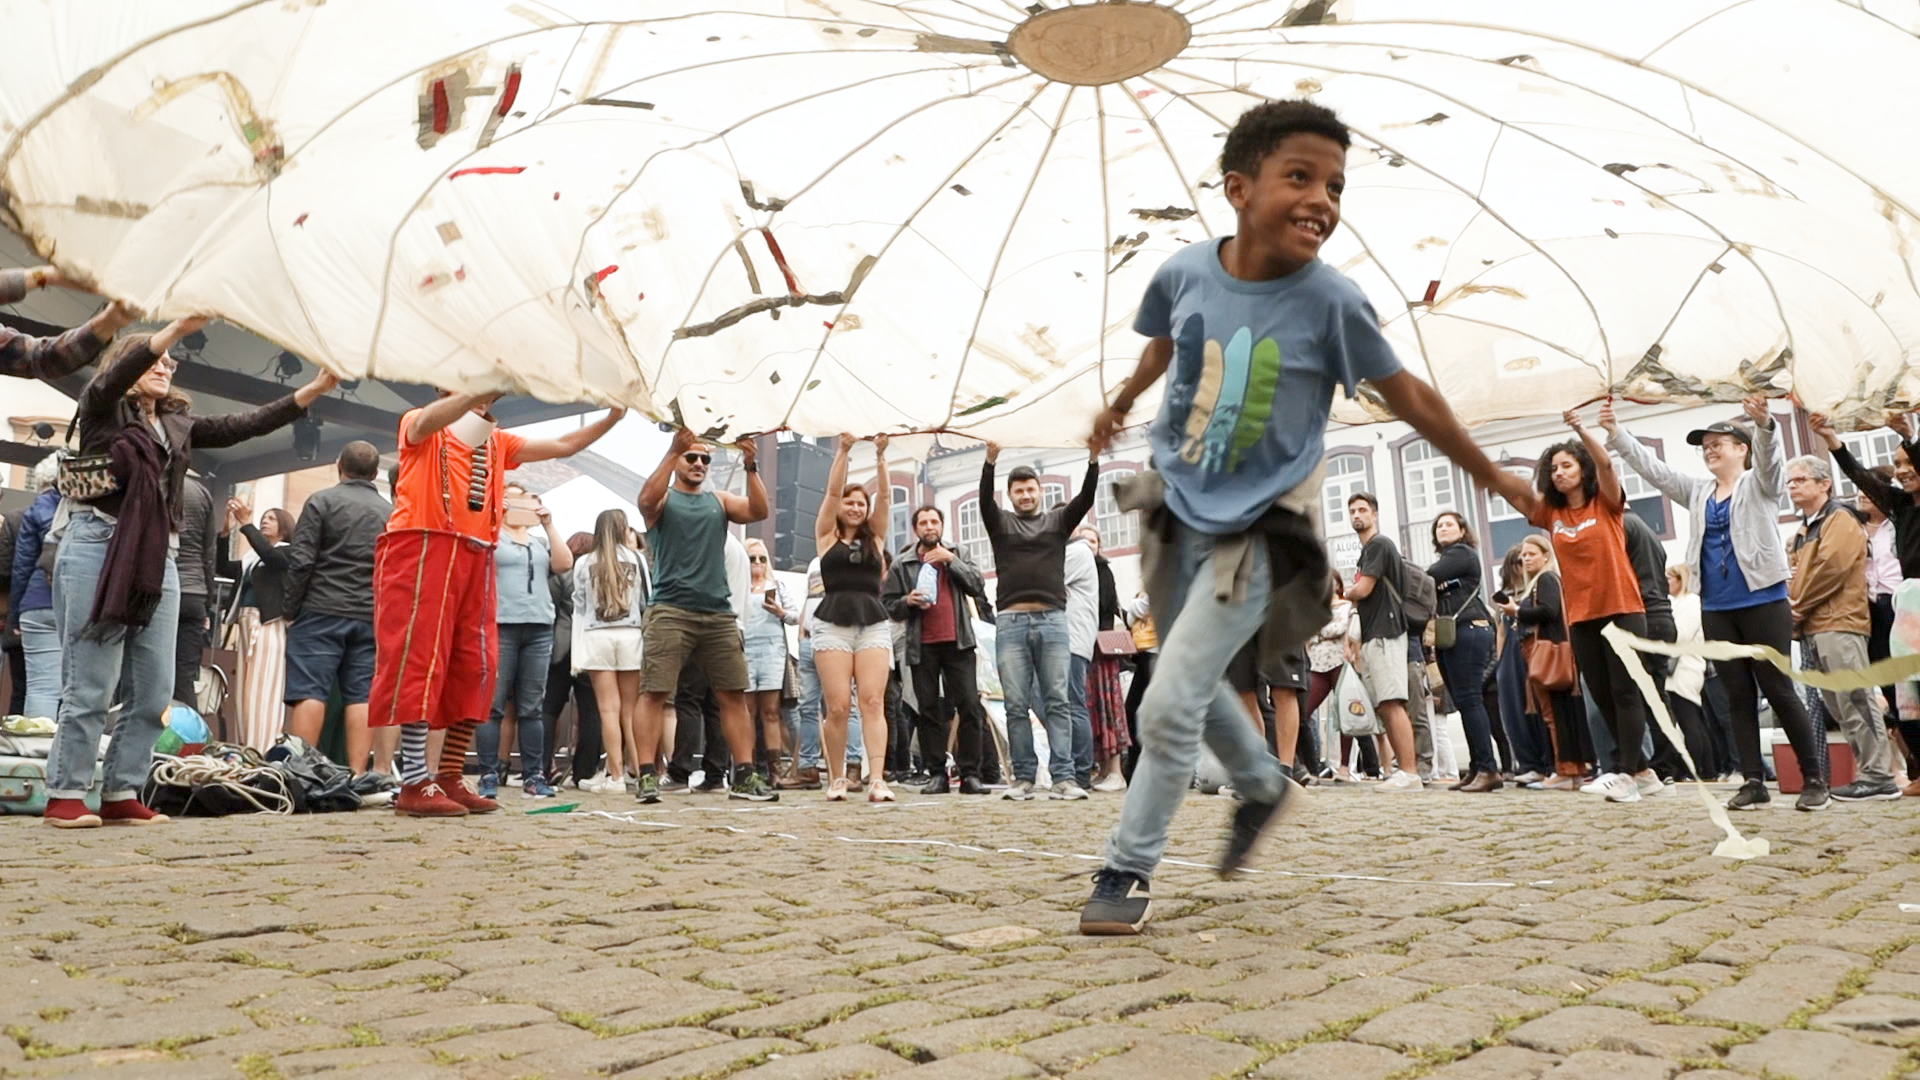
x: 1256, y: 332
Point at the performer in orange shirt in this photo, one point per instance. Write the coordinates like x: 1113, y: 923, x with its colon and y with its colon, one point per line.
x: 436, y: 643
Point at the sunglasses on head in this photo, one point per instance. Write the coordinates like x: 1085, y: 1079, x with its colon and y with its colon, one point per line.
x: 698, y: 459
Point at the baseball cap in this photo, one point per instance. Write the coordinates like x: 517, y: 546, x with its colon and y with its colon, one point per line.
x: 1723, y: 427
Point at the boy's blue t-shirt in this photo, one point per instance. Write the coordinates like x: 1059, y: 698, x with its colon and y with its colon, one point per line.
x: 1244, y: 418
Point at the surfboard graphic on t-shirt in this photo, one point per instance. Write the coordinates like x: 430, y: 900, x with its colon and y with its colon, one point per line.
x: 1232, y: 397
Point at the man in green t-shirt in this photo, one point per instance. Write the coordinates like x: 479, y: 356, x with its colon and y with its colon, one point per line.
x: 691, y: 616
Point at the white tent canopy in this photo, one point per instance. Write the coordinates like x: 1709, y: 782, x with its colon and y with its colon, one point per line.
x: 940, y: 214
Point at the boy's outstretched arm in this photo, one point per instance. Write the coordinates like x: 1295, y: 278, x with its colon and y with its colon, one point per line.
x: 1153, y: 364
x: 1422, y: 406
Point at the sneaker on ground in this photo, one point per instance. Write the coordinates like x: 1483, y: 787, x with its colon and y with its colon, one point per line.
x: 426, y: 799
x: 536, y: 788
x: 632, y: 783
x: 1751, y: 796
x: 670, y: 786
x: 753, y: 787
x: 1598, y: 785
x: 1529, y: 777
x: 1559, y: 783
x: 1650, y: 784
x: 1111, y: 782
x: 709, y: 784
x: 1813, y: 797
x: 1020, y: 791
x: 70, y: 814
x: 1399, y: 783
x: 649, y: 788
x: 489, y: 786
x: 1121, y: 904
x: 1067, y: 789
x: 1865, y: 790
x: 1619, y: 787
x: 1251, y: 818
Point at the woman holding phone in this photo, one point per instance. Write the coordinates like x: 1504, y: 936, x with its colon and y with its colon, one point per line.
x: 770, y: 611
x: 528, y: 550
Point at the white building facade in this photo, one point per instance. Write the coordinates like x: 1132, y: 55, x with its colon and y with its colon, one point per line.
x: 1412, y: 481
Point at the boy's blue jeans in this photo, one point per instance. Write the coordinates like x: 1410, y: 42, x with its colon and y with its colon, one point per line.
x: 1190, y: 701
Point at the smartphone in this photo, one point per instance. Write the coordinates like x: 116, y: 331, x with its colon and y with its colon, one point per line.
x: 1500, y: 597
x: 523, y: 512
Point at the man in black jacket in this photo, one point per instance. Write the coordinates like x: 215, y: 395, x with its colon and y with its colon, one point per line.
x: 940, y: 650
x: 330, y: 599
x: 199, y: 543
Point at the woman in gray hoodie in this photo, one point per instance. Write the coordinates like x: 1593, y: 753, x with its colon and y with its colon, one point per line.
x: 1734, y: 552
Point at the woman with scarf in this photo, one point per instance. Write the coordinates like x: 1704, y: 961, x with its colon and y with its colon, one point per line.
x: 117, y: 596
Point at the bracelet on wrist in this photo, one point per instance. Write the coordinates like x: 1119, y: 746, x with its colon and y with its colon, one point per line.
x: 754, y: 468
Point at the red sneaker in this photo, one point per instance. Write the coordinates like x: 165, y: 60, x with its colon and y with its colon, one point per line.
x: 426, y: 799
x: 130, y: 812
x: 70, y: 814
x: 458, y: 792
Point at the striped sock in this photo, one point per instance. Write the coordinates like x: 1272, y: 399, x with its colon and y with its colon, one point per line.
x: 453, y: 755
x: 413, y: 753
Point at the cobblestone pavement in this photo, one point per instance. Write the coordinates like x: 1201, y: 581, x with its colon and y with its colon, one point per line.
x: 702, y: 946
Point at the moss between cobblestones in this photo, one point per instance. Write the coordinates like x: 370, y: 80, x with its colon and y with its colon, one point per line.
x: 363, y: 1036
x: 257, y: 1067
x: 1850, y: 986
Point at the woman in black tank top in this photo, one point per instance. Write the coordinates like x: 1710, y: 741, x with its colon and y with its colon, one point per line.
x: 852, y: 638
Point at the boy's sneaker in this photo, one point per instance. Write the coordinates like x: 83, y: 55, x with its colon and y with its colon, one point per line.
x: 1751, y: 796
x: 1252, y: 818
x: 1401, y: 782
x: 1865, y: 790
x: 1067, y: 789
x: 1813, y: 797
x: 536, y: 788
x: 1619, y: 787
x: 708, y: 784
x: 1120, y: 904
x: 649, y: 788
x: 753, y: 787
x: 489, y: 786
x: 1020, y: 791
x: 1598, y: 785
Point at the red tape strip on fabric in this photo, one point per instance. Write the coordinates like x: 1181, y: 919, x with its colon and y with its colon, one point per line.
x: 488, y: 170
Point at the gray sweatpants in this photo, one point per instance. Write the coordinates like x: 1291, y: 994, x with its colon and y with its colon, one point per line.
x: 1859, y: 720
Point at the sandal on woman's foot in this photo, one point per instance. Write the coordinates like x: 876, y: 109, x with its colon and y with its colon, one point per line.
x: 837, y: 790
x: 878, y: 791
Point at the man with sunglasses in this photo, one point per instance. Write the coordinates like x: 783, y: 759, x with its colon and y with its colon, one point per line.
x: 693, y: 618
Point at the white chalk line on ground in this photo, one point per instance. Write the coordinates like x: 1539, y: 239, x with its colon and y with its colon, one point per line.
x: 633, y: 817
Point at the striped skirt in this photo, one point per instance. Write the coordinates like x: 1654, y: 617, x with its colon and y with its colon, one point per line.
x: 263, y: 679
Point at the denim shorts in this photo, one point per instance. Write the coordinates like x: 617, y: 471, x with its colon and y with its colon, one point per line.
x: 322, y: 648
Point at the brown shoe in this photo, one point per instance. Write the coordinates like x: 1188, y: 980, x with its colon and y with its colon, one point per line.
x: 1460, y: 784
x: 1486, y: 781
x: 457, y: 790
x: 426, y: 799
x: 799, y: 780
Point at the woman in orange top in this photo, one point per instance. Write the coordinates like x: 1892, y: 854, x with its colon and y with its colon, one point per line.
x: 1581, y: 505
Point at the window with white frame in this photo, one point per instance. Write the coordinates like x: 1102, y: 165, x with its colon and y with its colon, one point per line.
x: 971, y: 532
x: 900, y: 515
x: 1052, y: 495
x: 1869, y: 448
x: 1432, y: 486
x: 1118, y: 528
x: 1642, y: 497
x: 1346, y: 476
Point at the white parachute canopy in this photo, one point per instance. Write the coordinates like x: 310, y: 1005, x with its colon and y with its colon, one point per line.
x: 940, y: 214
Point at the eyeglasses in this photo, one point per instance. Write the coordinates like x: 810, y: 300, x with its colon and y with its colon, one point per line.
x: 756, y: 558
x: 167, y: 364
x: 698, y: 459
